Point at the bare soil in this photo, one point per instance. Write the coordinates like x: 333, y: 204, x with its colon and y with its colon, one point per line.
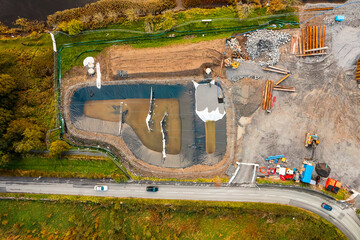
x: 187, y: 59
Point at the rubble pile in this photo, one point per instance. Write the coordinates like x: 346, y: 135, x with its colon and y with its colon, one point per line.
x: 266, y: 43
x: 234, y: 45
x: 236, y: 55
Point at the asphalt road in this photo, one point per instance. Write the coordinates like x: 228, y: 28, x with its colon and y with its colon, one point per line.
x: 344, y: 218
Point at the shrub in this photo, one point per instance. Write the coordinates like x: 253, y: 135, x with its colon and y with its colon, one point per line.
x: 244, y: 10
x: 131, y: 15
x: 168, y: 21
x: 73, y: 27
x: 57, y: 148
x: 149, y: 23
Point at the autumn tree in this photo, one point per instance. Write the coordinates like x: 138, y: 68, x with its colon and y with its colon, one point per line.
x: 5, y: 117
x: 30, y: 26
x: 57, y: 148
x: 33, y: 138
x: 7, y: 85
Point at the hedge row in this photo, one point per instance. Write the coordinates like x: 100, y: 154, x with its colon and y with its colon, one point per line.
x: 37, y: 173
x: 111, y: 7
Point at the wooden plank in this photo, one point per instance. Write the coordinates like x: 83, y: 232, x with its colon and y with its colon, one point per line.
x: 323, y: 38
x: 310, y: 38
x: 270, y: 94
x: 264, y: 96
x: 316, y: 37
x: 307, y: 38
x: 284, y: 90
x: 311, y: 54
x: 277, y: 68
x: 303, y: 39
x: 313, y: 37
x: 316, y: 49
x: 281, y: 80
x: 273, y: 70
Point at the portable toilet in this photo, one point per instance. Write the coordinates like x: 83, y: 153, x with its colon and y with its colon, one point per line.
x: 339, y: 18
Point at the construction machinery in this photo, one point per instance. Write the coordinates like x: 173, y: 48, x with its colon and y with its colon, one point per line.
x: 311, y: 140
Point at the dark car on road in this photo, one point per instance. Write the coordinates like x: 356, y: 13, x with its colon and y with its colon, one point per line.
x: 325, y: 206
x: 152, y: 189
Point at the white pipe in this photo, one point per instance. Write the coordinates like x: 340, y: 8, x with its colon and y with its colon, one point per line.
x: 53, y: 41
x: 236, y: 172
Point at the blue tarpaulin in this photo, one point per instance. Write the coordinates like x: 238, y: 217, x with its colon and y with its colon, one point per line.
x: 306, y: 175
x: 339, y: 18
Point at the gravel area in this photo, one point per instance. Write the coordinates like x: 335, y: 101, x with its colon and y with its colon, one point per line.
x: 326, y: 102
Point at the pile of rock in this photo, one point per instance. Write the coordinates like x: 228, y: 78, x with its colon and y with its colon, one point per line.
x: 266, y: 43
x: 234, y: 45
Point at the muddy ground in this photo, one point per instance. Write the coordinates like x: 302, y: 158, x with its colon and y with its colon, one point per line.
x: 326, y: 102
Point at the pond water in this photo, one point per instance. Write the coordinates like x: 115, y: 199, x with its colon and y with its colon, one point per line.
x: 10, y: 10
x: 191, y: 132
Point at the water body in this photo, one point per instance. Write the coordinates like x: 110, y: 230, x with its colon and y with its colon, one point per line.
x: 10, y: 10
x: 193, y: 141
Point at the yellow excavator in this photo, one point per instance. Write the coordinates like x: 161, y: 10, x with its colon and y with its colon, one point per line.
x: 235, y: 65
x: 311, y: 140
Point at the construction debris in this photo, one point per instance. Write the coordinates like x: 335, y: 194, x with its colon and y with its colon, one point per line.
x: 312, y: 41
x: 266, y: 43
x: 236, y: 56
x: 234, y: 45
x: 267, y: 95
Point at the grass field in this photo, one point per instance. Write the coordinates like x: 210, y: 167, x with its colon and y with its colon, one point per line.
x: 79, y: 167
x: 110, y: 218
x: 188, y: 28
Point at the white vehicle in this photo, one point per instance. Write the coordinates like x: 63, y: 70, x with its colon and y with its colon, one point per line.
x: 101, y: 188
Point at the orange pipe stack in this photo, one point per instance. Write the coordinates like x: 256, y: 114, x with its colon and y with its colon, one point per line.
x: 312, y: 41
x: 267, y: 95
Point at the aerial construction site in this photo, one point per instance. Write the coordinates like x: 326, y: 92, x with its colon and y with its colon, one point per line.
x: 266, y: 103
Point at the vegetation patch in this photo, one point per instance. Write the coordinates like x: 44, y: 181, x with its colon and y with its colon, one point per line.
x: 113, y: 218
x: 70, y: 167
